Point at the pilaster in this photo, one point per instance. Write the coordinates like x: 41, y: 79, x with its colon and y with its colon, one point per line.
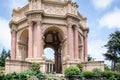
x: 76, y: 43
x: 85, y: 45
x: 30, y: 40
x: 13, y: 42
x: 39, y: 40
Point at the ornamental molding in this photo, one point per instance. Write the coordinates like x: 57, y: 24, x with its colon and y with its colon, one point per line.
x: 54, y: 9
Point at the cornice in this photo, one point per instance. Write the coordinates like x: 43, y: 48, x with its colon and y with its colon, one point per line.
x: 20, y: 9
x: 55, y: 2
x: 43, y: 14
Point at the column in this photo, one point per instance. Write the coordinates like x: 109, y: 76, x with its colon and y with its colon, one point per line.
x: 76, y: 43
x: 85, y: 48
x: 39, y: 40
x: 13, y: 44
x: 30, y: 40
x: 69, y: 38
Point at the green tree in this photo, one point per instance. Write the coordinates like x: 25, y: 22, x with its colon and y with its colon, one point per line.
x: 113, y: 48
x: 4, y: 54
x: 89, y: 58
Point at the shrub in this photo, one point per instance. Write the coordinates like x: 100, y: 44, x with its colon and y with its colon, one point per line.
x: 2, y: 76
x: 26, y: 75
x: 96, y: 72
x: 80, y: 66
x: 112, y: 78
x: 107, y: 74
x: 71, y: 71
x: 87, y: 74
x: 11, y: 76
x: 35, y: 67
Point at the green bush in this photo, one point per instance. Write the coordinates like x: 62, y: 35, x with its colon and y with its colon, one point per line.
x: 112, y: 78
x: 26, y: 75
x: 35, y: 67
x: 87, y: 74
x: 2, y: 76
x: 11, y: 76
x: 34, y: 72
x: 107, y: 74
x: 96, y: 72
x: 80, y: 66
x: 71, y: 71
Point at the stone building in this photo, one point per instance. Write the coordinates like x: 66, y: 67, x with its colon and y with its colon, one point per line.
x: 49, y: 23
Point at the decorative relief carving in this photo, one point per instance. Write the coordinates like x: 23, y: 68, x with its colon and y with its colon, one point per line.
x: 59, y: 10
x: 35, y: 4
x: 63, y: 28
x: 72, y: 21
x: 73, y: 10
x: 34, y: 16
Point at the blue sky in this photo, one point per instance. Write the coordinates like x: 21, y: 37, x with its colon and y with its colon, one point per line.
x: 103, y: 18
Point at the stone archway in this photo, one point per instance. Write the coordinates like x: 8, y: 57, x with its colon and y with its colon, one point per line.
x: 23, y: 45
x: 53, y: 39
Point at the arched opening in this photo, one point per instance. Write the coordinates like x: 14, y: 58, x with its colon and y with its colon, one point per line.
x: 23, y: 45
x: 53, y: 39
x: 49, y: 53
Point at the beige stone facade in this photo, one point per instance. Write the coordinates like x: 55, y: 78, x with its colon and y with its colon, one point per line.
x: 48, y: 23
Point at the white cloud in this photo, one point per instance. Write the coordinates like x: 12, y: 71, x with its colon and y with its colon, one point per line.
x: 4, y: 33
x: 5, y: 37
x: 96, y: 50
x: 16, y: 3
x: 111, y: 19
x: 101, y: 4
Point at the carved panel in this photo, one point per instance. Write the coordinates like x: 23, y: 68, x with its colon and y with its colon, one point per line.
x: 62, y: 28
x: 52, y: 9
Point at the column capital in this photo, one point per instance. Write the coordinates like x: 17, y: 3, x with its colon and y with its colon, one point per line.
x: 69, y: 25
x: 76, y: 28
x: 38, y: 22
x: 30, y: 23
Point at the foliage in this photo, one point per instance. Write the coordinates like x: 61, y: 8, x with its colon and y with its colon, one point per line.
x: 35, y: 67
x: 2, y: 68
x: 87, y: 74
x: 2, y: 76
x: 3, y: 56
x: 113, y: 48
x: 96, y: 72
x: 117, y: 67
x: 106, y: 68
x: 71, y: 71
x: 108, y: 74
x: 34, y: 72
x: 11, y: 76
x: 80, y: 66
x: 89, y: 58
x: 112, y: 78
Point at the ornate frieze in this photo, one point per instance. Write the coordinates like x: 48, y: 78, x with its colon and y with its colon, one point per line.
x: 53, y: 9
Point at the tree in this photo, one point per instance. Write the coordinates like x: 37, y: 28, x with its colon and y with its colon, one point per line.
x: 4, y: 54
x: 113, y: 48
x: 89, y: 58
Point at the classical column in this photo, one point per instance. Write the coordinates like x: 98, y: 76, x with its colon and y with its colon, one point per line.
x: 70, y: 40
x: 85, y: 48
x: 30, y: 40
x: 13, y: 44
x: 76, y: 43
x: 39, y: 40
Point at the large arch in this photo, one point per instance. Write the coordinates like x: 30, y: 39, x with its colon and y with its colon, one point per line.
x: 23, y: 44
x: 53, y: 37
